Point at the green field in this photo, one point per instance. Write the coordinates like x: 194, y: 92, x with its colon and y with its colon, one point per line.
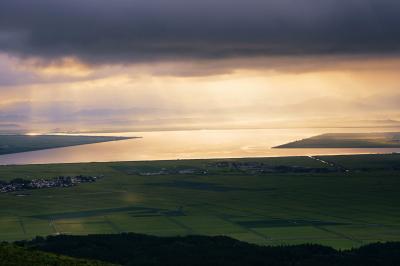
x: 348, y: 140
x: 11, y: 255
x: 23, y: 143
x: 307, y: 202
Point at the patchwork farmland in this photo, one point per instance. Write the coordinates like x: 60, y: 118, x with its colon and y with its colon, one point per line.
x: 348, y: 202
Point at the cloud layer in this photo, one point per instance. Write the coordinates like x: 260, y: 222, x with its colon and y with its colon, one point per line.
x: 122, y: 31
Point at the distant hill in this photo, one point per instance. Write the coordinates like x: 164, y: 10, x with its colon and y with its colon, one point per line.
x: 145, y: 250
x: 23, y: 143
x: 348, y: 140
x: 11, y: 255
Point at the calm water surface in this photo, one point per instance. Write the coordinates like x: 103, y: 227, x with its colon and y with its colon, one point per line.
x: 165, y: 145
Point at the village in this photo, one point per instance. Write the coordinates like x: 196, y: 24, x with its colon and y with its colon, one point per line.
x: 261, y: 168
x: 19, y: 184
x: 247, y: 167
x: 165, y: 171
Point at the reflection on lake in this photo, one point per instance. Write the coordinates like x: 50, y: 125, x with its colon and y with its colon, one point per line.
x: 163, y: 145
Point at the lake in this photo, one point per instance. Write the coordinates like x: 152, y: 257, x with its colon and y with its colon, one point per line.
x: 190, y: 144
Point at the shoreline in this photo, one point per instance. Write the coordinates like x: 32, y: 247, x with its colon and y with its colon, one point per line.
x: 202, y: 159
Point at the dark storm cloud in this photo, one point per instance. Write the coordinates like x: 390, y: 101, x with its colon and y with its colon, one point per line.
x: 123, y: 31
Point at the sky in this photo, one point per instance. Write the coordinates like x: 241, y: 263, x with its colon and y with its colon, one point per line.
x: 120, y: 65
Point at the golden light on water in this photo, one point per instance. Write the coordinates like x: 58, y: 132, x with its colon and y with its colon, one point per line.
x: 188, y: 144
x: 33, y: 134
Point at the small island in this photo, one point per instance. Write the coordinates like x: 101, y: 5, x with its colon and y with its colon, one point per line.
x: 348, y: 140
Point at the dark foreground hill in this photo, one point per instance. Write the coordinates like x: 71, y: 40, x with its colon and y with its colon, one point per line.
x: 11, y: 255
x: 135, y: 249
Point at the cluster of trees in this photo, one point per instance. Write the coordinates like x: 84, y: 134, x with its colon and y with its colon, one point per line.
x: 137, y: 249
x: 12, y: 255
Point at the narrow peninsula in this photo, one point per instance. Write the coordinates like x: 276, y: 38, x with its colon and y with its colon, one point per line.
x: 348, y: 140
x: 23, y: 143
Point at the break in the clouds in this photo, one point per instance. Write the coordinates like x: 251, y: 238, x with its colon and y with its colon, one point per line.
x: 69, y: 65
x: 122, y: 31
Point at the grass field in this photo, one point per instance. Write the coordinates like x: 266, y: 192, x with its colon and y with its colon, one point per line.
x: 348, y: 140
x: 22, y: 143
x: 337, y: 208
x: 11, y: 255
